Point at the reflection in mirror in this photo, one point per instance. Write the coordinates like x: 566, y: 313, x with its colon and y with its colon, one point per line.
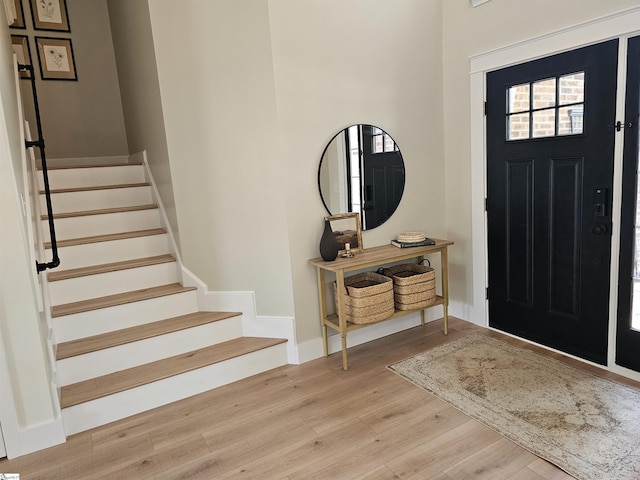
x: 361, y: 170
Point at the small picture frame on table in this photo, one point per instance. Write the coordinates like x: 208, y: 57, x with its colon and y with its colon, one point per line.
x: 50, y: 15
x: 346, y: 228
x: 55, y: 56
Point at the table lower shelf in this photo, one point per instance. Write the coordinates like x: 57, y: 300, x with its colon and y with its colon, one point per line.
x: 332, y: 321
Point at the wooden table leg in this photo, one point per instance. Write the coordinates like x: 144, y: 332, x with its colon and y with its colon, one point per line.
x: 342, y: 320
x: 323, y: 310
x: 445, y: 309
x: 344, y: 352
x: 444, y: 260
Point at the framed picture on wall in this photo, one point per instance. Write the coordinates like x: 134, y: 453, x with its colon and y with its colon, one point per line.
x: 20, y: 44
x: 18, y: 22
x: 50, y: 15
x: 55, y: 56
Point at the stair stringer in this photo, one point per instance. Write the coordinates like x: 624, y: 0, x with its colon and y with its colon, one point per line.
x: 253, y: 325
x: 141, y: 157
x: 48, y: 433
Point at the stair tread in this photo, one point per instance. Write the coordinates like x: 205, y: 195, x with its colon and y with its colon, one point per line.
x: 128, y: 335
x: 54, y: 276
x: 118, y: 299
x: 96, y: 165
x: 101, y: 211
x: 95, y: 188
x: 107, y: 237
x: 126, y: 379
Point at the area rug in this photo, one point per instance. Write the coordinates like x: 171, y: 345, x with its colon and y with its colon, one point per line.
x: 585, y: 424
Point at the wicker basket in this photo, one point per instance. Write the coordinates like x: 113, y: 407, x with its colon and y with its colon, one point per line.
x: 368, y: 297
x: 414, y: 285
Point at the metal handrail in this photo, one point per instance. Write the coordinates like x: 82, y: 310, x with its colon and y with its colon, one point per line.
x: 55, y: 261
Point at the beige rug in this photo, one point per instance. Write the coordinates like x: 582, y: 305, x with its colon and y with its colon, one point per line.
x: 584, y: 424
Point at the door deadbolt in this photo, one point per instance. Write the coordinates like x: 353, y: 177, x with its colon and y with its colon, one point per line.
x: 599, y: 229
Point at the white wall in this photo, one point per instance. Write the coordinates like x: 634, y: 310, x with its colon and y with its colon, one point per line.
x: 252, y: 91
x: 470, y: 31
x: 216, y: 83
x: 22, y: 345
x: 83, y: 118
x: 140, y: 91
x: 337, y: 63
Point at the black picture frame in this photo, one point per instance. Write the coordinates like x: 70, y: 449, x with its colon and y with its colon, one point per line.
x: 20, y: 44
x: 56, y: 59
x: 50, y: 15
x: 19, y: 21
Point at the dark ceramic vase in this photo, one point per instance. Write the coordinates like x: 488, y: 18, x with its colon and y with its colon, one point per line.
x: 328, y: 243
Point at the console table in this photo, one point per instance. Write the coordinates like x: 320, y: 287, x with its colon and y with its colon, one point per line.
x: 373, y: 257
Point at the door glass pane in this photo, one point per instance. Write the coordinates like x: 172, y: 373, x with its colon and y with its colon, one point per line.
x: 555, y: 105
x: 572, y: 88
x: 354, y: 169
x: 635, y: 317
x: 388, y: 144
x: 378, y: 145
x: 544, y: 123
x: 544, y: 93
x: 518, y: 98
x: 570, y: 120
x: 518, y: 126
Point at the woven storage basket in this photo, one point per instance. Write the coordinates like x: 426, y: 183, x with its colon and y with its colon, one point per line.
x: 414, y: 285
x: 368, y: 297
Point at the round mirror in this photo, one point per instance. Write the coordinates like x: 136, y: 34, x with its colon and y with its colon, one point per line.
x: 361, y: 170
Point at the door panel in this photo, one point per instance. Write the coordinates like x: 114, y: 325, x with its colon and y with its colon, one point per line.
x: 383, y: 177
x: 628, y: 325
x: 549, y: 150
x: 519, y: 232
x: 564, y: 235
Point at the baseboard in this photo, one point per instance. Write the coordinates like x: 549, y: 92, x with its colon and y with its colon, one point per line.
x: 273, y: 326
x: 374, y: 332
x: 313, y: 349
x: 284, y: 327
x: 471, y: 313
x: 310, y: 350
x: 141, y: 157
x: 253, y: 325
x: 41, y: 436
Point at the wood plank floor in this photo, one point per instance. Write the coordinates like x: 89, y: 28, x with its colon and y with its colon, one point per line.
x: 312, y: 421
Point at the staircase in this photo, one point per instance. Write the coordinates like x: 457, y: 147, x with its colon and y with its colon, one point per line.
x: 129, y: 336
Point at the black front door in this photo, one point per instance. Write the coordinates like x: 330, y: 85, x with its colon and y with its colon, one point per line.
x: 628, y: 331
x: 383, y: 176
x: 550, y: 147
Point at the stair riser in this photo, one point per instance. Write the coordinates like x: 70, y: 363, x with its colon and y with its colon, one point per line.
x: 78, y: 256
x: 111, y: 283
x: 87, y: 324
x: 77, y: 227
x: 98, y: 412
x: 93, y: 177
x: 97, y: 199
x: 94, y: 364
